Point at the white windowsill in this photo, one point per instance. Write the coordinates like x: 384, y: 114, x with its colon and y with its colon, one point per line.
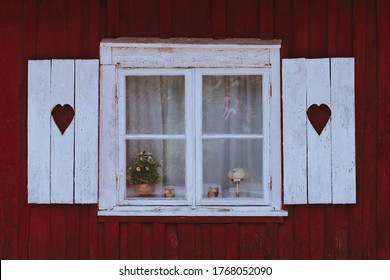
x: 220, y: 211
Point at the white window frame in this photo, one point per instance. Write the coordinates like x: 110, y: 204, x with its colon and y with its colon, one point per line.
x: 145, y: 55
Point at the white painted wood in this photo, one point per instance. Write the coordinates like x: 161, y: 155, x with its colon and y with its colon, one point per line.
x: 158, y: 55
x: 343, y: 131
x: 62, y: 145
x: 218, y: 211
x: 39, y: 77
x: 178, y: 56
x: 294, y: 78
x: 86, y: 131
x: 105, y: 55
x: 122, y: 136
x: 108, y: 145
x: 319, y: 146
x: 275, y: 133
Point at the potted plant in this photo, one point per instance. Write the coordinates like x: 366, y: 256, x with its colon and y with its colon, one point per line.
x: 143, y: 174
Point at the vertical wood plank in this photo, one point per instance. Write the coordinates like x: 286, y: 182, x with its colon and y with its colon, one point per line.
x: 111, y: 241
x: 86, y: 131
x: 318, y: 146
x: 232, y: 241
x: 147, y: 242
x: 75, y: 36
x: 165, y: 18
x: 242, y: 19
x: 186, y: 13
x: 39, y: 79
x: 93, y: 234
x: 282, y: 25
x: 85, y: 232
x: 252, y: 241
x: 58, y: 231
x: 144, y: 13
x: 73, y: 232
x: 134, y: 241
x: 206, y: 242
x: 294, y: 131
x: 343, y: 130
x: 368, y: 171
x: 219, y: 19
x: 158, y: 241
x: 218, y: 241
x: 124, y: 241
x: 300, y: 28
x: 359, y: 46
x: 39, y: 234
x: 266, y: 13
x: 186, y: 238
x: 107, y: 167
x: 172, y: 242
x: 62, y: 145
x: 271, y: 241
x: 383, y: 213
x: 113, y: 18
x: 94, y: 29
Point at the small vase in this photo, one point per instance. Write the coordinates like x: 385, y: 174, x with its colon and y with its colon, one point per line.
x: 144, y: 189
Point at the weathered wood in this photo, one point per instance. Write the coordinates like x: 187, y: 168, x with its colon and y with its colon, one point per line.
x: 179, y: 57
x: 108, y: 138
x: 62, y: 145
x: 39, y: 79
x: 86, y: 131
x: 294, y: 131
x: 318, y: 146
x: 343, y: 130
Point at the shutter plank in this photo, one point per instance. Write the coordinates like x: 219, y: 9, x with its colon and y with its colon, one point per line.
x: 39, y: 131
x: 108, y: 138
x: 294, y: 131
x: 62, y: 145
x: 318, y: 146
x: 343, y: 131
x: 86, y: 131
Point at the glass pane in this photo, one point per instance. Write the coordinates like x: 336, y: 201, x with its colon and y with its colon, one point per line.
x: 170, y: 176
x: 232, y: 104
x: 155, y: 105
x: 243, y: 158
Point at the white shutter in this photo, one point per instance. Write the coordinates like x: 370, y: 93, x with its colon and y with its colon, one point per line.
x: 318, y: 149
x: 62, y: 131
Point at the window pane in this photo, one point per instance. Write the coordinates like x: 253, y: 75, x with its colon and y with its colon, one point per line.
x: 232, y: 104
x: 155, y: 105
x: 171, y: 174
x: 222, y: 155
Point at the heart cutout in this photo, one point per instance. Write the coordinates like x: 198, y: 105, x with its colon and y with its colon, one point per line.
x: 318, y: 116
x: 62, y: 116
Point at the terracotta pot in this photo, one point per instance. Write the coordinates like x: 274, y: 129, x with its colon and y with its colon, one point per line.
x: 144, y: 189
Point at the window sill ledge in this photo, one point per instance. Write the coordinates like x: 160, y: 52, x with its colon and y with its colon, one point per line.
x: 202, y: 211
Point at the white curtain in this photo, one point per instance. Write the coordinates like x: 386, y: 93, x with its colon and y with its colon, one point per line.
x: 155, y: 105
x: 232, y: 105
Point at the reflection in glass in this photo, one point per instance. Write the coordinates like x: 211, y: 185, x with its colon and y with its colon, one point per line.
x: 232, y: 104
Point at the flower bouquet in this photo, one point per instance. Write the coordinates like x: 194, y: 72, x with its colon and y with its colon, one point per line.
x: 142, y: 174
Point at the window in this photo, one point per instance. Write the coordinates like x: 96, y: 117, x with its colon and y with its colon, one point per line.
x: 208, y: 113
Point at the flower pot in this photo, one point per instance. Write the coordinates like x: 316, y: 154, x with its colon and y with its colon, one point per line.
x: 144, y: 189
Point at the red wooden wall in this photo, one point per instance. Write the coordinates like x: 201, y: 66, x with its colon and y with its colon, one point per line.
x: 48, y: 29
